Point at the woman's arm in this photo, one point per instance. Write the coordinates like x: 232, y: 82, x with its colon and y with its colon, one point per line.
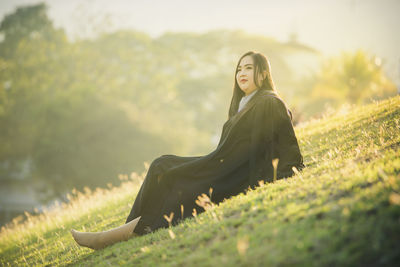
x: 285, y: 143
x: 273, y: 137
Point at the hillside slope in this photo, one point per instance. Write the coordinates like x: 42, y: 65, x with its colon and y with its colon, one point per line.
x: 342, y: 210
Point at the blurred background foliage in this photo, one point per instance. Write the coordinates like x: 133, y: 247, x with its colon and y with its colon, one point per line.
x: 75, y: 114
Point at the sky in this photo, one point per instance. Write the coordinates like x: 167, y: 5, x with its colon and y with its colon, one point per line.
x: 331, y: 26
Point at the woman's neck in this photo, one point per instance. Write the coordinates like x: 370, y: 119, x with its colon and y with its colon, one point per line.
x: 251, y: 93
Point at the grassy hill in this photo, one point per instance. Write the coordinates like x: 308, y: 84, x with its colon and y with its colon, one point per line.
x: 342, y: 210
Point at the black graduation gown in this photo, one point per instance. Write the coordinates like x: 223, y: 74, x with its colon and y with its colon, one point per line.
x: 250, y: 139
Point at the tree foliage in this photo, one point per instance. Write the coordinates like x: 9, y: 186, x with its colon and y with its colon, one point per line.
x: 351, y: 78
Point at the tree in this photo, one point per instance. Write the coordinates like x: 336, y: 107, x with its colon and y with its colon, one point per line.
x: 350, y: 78
x: 27, y: 22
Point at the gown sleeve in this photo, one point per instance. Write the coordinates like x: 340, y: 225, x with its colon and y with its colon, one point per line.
x: 287, y: 150
x: 273, y: 136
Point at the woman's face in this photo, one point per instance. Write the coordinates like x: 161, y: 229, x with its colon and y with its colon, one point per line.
x: 245, y: 75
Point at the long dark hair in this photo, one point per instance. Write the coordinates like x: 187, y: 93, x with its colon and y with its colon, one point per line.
x: 261, y: 64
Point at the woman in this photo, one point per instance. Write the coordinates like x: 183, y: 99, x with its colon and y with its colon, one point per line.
x: 258, y: 131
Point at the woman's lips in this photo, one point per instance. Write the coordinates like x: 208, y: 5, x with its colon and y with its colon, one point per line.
x: 243, y: 80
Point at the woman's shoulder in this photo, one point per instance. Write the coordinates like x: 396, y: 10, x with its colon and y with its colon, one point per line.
x: 270, y: 98
x: 272, y: 104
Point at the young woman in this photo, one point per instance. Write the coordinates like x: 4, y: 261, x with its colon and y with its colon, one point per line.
x: 258, y: 131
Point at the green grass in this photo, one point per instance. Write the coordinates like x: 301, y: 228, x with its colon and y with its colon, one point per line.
x: 342, y: 210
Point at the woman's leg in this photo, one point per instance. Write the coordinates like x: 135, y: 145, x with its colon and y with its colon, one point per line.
x: 101, y: 240
x: 154, y: 193
x: 147, y: 203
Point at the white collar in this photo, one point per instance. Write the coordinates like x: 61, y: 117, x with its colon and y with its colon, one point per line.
x: 246, y: 99
x: 250, y: 95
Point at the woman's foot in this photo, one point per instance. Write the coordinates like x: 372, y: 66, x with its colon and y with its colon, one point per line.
x: 90, y: 240
x: 101, y: 240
